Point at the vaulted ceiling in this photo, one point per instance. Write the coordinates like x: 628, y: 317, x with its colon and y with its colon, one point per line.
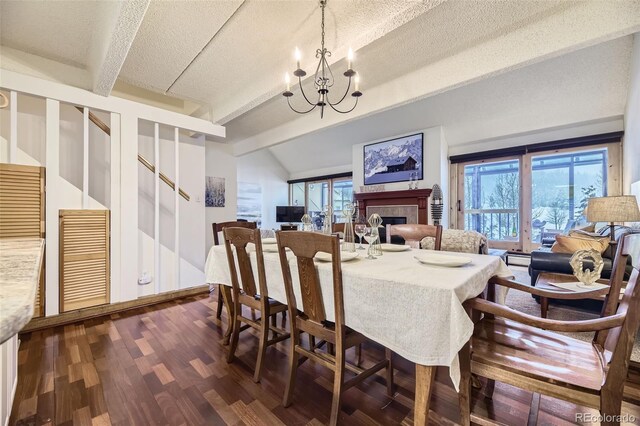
x: 224, y: 60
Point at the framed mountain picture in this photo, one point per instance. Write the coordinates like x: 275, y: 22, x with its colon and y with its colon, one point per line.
x: 395, y: 160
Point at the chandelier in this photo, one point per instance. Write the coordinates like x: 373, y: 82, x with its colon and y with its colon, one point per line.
x: 323, y: 79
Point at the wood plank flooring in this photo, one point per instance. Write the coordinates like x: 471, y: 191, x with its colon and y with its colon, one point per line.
x: 165, y: 365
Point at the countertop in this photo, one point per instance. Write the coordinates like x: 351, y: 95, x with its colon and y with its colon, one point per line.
x: 20, y: 262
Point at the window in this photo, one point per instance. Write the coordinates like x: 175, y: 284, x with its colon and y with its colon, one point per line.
x: 315, y: 194
x: 492, y: 199
x: 520, y: 201
x: 561, y: 186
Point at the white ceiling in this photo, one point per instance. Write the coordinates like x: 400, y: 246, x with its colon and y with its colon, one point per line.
x: 587, y: 85
x: 229, y: 56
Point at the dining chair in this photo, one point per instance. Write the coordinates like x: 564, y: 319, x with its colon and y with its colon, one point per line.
x: 525, y: 351
x: 337, y: 227
x: 217, y: 228
x: 311, y: 317
x: 246, y: 293
x: 414, y: 233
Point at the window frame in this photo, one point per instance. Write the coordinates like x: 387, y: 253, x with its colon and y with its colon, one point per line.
x: 525, y: 243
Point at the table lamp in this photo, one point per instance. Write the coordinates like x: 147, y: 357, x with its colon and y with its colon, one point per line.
x: 622, y: 208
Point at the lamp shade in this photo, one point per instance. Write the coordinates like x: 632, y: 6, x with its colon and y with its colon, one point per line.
x: 623, y: 208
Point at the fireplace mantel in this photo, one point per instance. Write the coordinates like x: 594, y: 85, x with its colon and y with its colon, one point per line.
x: 411, y: 197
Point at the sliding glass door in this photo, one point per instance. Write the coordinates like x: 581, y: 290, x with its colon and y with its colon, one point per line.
x: 492, y: 201
x: 520, y: 202
x: 561, y: 184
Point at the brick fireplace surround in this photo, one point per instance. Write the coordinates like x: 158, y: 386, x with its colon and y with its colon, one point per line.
x: 412, y: 197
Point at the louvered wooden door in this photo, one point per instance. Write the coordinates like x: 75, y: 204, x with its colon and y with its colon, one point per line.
x: 22, y: 210
x: 84, y: 258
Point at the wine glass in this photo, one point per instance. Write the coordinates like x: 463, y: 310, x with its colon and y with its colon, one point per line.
x: 360, y: 230
x: 370, y: 236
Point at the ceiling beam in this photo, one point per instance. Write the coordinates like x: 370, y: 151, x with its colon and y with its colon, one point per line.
x: 120, y: 26
x: 234, y: 108
x: 582, y: 25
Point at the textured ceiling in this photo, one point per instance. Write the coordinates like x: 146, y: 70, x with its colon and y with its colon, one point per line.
x: 59, y: 30
x: 590, y: 84
x: 445, y: 31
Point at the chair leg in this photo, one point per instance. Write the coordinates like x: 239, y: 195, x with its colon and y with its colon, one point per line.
x: 235, y: 333
x: 262, y: 348
x: 293, y: 368
x: 359, y: 355
x: 489, y: 388
x: 338, y: 382
x: 219, y: 304
x: 610, y: 407
x: 284, y: 318
x: 389, y: 356
x: 464, y: 395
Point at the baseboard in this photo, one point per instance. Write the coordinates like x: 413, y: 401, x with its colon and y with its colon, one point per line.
x: 97, y: 311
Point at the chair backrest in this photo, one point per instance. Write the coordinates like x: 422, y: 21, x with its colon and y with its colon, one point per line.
x: 304, y: 246
x: 337, y: 227
x: 218, y: 227
x: 414, y: 233
x: 239, y: 238
x: 619, y: 341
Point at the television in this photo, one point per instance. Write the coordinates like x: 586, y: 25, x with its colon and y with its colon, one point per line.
x: 395, y: 160
x: 289, y: 214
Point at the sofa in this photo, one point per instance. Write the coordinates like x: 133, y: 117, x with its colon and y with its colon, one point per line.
x: 544, y: 260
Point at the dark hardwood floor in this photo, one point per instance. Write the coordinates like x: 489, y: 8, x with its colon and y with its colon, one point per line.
x: 165, y: 364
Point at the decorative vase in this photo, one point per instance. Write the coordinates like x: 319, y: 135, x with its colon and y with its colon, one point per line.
x: 375, y: 221
x: 349, y: 243
x: 326, y: 222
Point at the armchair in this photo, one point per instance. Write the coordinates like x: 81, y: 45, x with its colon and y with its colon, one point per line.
x: 523, y: 350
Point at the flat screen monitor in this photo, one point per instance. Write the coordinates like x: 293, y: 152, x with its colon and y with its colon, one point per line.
x: 289, y: 214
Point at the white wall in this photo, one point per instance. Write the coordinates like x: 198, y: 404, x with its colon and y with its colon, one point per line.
x: 220, y: 162
x: 262, y: 168
x: 39, y: 140
x: 436, y: 165
x: 631, y: 145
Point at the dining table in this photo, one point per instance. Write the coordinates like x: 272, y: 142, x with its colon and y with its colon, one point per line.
x: 413, y: 308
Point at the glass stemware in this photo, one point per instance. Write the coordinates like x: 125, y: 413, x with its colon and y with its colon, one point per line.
x: 360, y: 230
x: 370, y: 236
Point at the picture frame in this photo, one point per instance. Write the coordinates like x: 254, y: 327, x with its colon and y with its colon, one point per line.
x: 394, y: 160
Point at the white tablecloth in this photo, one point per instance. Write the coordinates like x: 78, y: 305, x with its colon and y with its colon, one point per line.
x: 411, y: 308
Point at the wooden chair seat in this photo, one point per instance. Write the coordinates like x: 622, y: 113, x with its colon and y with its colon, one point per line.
x: 505, y: 345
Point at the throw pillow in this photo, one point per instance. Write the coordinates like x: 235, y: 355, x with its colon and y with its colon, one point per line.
x: 579, y: 241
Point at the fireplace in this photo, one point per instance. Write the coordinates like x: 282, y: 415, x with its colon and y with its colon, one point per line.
x: 410, y: 204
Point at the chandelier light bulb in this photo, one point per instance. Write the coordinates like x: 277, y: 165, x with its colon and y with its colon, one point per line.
x: 288, y: 81
x: 357, y: 82
x: 298, y: 57
x: 350, y: 58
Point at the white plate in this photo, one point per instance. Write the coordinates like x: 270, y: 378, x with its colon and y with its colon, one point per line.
x: 266, y: 241
x: 442, y: 259
x: 345, y: 256
x: 394, y: 247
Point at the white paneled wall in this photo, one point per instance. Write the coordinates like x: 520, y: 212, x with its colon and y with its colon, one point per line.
x: 88, y: 169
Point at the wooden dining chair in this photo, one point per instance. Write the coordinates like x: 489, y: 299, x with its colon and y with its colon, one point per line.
x: 311, y: 317
x: 414, y: 233
x: 246, y: 293
x: 522, y: 350
x: 217, y: 228
x: 337, y: 227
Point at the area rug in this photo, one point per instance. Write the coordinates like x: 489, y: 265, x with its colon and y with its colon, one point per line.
x: 523, y: 302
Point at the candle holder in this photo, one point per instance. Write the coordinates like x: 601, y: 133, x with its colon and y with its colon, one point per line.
x: 326, y: 223
x: 307, y: 223
x: 376, y: 222
x: 349, y: 243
